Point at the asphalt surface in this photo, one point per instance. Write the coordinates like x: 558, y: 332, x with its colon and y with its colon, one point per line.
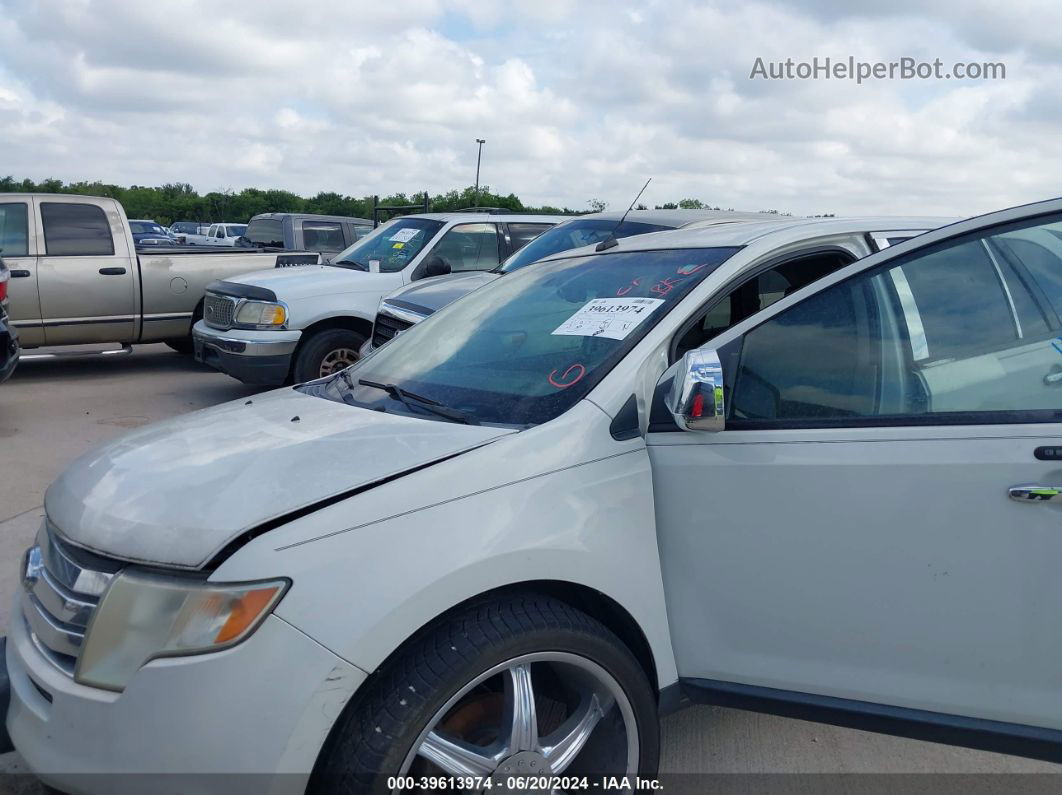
x: 52, y: 411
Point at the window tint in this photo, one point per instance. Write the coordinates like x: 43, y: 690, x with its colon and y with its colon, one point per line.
x: 573, y: 234
x: 938, y: 335
x: 268, y: 232
x: 322, y: 236
x: 757, y: 294
x: 75, y: 230
x: 522, y: 234
x: 13, y: 230
x: 1036, y: 255
x: 470, y: 247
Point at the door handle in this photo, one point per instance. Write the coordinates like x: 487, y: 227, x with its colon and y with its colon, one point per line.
x: 1035, y: 493
x: 112, y: 271
x: 1053, y: 378
x: 20, y: 274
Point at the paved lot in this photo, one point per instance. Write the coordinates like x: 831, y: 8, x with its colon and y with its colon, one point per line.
x: 52, y: 411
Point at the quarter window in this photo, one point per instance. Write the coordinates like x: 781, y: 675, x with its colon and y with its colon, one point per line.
x: 13, y: 230
x: 72, y: 230
x: 962, y: 333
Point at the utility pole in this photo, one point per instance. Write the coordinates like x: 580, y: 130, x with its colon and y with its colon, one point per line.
x: 479, y: 155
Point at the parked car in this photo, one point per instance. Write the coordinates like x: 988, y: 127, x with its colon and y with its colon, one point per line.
x: 225, y: 234
x: 412, y: 303
x: 78, y: 277
x: 326, y: 234
x: 316, y: 320
x: 181, y: 231
x: 146, y: 232
x: 9, y: 346
x: 681, y: 469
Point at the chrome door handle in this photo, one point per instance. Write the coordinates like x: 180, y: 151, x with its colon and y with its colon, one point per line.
x: 1053, y: 378
x: 1035, y: 493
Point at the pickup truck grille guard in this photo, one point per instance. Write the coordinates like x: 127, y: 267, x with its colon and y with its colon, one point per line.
x: 61, y: 588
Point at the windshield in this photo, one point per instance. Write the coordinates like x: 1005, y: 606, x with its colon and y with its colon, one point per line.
x: 146, y: 227
x: 393, y: 245
x: 525, y: 349
x: 266, y: 232
x: 573, y: 234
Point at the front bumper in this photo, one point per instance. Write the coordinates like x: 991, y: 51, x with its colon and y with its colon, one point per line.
x: 254, y: 357
x: 249, y: 719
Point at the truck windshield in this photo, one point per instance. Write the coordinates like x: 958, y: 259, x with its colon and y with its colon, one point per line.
x: 393, y: 246
x: 573, y: 234
x: 524, y: 349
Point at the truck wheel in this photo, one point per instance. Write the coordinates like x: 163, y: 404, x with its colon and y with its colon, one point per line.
x: 523, y: 685
x: 327, y: 352
x: 183, y: 345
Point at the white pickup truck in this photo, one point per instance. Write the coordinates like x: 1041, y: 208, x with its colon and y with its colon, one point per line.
x: 303, y: 323
x: 728, y: 465
x: 77, y: 277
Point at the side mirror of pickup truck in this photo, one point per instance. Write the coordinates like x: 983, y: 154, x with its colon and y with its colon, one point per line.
x: 436, y: 266
x: 696, y: 397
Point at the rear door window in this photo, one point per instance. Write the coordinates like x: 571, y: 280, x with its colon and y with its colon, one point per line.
x: 14, y: 230
x: 76, y: 230
x: 322, y: 236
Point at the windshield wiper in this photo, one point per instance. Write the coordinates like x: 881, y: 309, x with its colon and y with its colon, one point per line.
x: 411, y: 401
x: 357, y: 265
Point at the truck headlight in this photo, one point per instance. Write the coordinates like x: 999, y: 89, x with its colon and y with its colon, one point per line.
x: 261, y: 313
x: 143, y: 616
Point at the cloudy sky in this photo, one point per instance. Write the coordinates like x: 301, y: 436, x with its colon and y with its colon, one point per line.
x: 577, y: 99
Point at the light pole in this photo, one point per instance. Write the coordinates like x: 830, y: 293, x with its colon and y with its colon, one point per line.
x: 479, y: 155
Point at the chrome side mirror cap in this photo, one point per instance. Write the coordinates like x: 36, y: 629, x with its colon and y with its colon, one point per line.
x: 696, y: 397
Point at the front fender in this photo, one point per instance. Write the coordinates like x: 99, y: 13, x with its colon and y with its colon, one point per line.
x: 369, y: 572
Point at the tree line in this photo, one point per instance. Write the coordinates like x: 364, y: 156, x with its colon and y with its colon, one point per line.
x: 178, y: 201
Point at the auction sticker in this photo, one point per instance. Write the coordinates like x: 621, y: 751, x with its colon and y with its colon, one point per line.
x: 404, y: 235
x: 614, y: 318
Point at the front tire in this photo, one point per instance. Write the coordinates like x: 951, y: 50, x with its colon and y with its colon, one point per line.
x: 327, y: 352
x: 523, y: 684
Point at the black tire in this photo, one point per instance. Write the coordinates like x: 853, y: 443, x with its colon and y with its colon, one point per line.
x: 378, y: 728
x: 183, y: 346
x: 313, y: 352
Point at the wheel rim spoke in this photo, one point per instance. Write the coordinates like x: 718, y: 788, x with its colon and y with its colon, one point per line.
x: 520, y: 714
x: 563, y: 745
x: 455, y: 757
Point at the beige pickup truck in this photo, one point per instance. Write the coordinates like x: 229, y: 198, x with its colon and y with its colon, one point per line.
x: 77, y: 277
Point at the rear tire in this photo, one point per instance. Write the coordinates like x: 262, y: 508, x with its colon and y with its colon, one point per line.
x: 327, y: 352
x: 458, y: 681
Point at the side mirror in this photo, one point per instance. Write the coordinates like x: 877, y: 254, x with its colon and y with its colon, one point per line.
x: 243, y: 242
x: 436, y: 266
x: 696, y: 397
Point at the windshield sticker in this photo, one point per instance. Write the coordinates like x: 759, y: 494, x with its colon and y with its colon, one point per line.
x: 689, y: 270
x: 613, y: 318
x: 404, y: 235
x: 399, y: 245
x: 573, y: 375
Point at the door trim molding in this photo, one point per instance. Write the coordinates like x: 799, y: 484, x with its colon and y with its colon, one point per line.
x: 986, y: 735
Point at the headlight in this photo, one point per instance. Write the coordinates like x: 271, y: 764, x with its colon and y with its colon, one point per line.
x: 143, y: 616
x: 261, y: 313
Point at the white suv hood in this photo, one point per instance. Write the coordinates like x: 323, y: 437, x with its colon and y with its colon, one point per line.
x: 177, y: 492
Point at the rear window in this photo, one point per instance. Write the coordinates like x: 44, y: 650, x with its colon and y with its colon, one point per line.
x: 267, y: 232
x: 322, y: 236
x: 72, y: 230
x: 573, y: 234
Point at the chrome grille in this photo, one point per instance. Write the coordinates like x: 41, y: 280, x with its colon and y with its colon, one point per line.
x: 387, y: 328
x: 218, y: 310
x: 62, y: 586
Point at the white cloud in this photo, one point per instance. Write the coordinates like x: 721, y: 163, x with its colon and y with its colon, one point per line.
x: 576, y: 99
